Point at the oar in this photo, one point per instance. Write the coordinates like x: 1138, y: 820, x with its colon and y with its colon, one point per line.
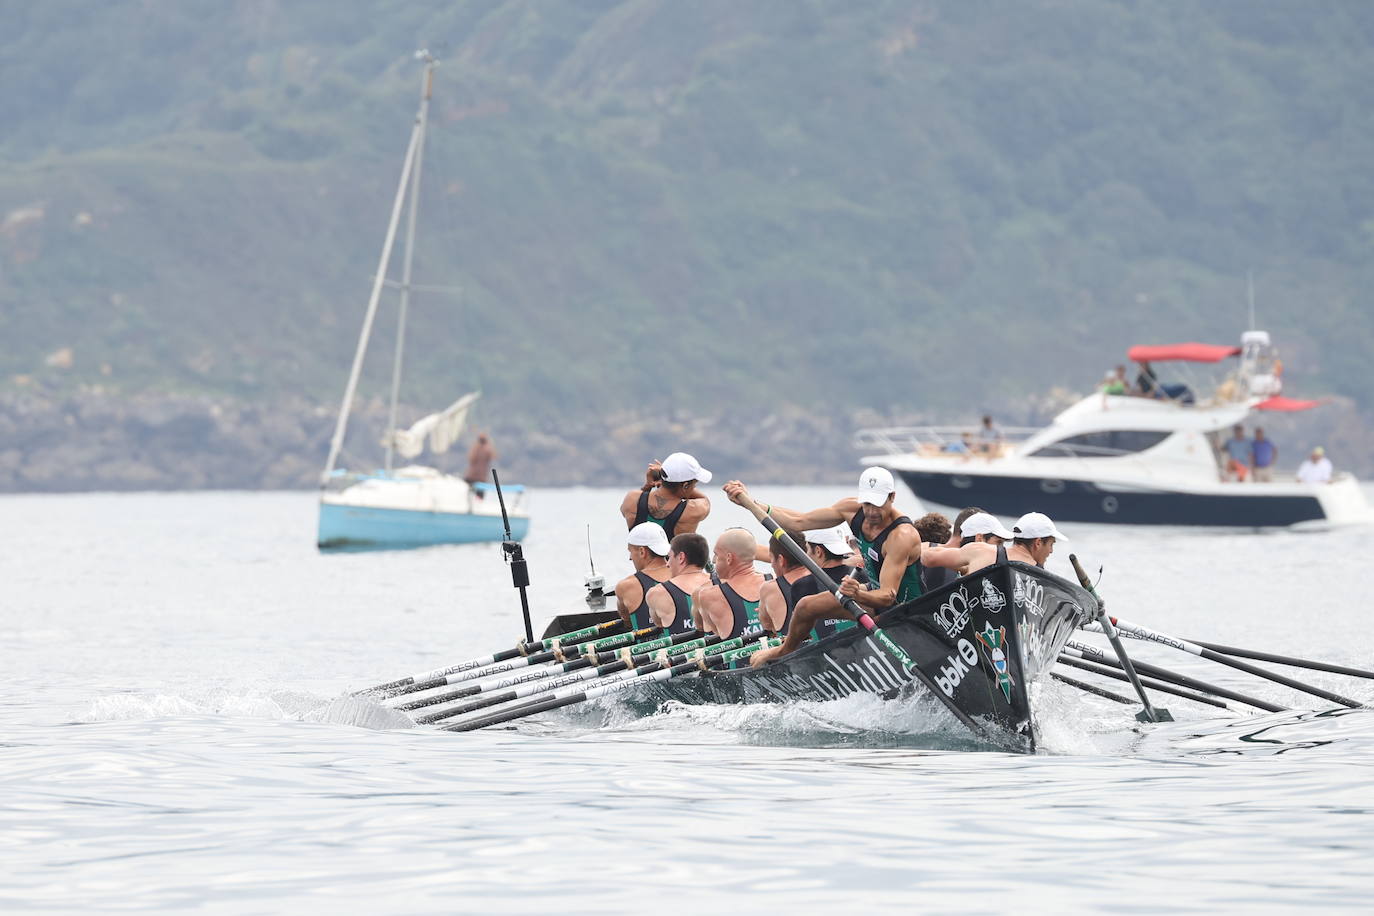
x: 1082, y: 650
x: 655, y: 671
x: 1089, y: 688
x: 1284, y: 659
x: 1138, y: 632
x: 588, y: 659
x: 1105, y: 671
x: 626, y: 659
x: 1149, y: 713
x: 897, y: 653
x: 557, y: 653
x: 482, y: 661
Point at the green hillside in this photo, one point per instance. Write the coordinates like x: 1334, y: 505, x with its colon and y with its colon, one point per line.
x: 930, y: 206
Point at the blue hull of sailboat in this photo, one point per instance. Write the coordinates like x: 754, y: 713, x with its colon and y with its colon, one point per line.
x: 359, y: 527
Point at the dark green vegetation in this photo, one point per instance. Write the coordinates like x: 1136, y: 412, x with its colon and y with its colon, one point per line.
x: 930, y: 206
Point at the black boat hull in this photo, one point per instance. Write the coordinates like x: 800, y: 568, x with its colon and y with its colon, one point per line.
x: 981, y: 639
x: 1084, y: 501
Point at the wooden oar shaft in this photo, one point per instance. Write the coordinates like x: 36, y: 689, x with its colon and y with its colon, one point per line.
x: 1144, y: 633
x: 1173, y: 677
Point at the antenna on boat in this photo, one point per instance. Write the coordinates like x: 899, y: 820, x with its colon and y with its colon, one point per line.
x: 515, y: 556
x: 595, y: 585
x: 1250, y: 290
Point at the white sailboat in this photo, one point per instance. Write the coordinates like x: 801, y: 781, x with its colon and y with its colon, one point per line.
x: 412, y: 505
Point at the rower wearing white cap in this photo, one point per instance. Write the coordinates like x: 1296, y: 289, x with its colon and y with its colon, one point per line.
x: 888, y: 543
x: 649, y: 554
x: 1033, y: 538
x: 829, y: 547
x: 669, y: 497
x: 980, y: 535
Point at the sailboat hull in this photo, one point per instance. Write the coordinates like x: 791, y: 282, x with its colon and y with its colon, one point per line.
x: 366, y: 527
x: 415, y: 507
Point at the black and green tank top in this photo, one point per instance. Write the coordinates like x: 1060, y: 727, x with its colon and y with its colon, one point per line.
x: 872, y: 553
x: 668, y: 523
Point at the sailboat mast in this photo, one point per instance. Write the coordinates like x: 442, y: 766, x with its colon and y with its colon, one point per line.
x: 341, y: 426
x: 421, y: 122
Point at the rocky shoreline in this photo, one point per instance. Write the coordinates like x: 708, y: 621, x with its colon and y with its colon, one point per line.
x: 93, y: 439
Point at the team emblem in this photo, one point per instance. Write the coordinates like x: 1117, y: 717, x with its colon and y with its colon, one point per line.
x: 994, y: 644
x: 993, y: 599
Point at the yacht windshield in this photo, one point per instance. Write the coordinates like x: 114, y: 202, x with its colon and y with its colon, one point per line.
x: 1107, y: 443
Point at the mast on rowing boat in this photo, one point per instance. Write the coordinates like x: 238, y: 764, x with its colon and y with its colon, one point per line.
x: 411, y: 166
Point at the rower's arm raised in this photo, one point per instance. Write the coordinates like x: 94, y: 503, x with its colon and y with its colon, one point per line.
x: 825, y: 517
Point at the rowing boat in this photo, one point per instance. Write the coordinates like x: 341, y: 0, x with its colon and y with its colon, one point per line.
x: 982, y: 640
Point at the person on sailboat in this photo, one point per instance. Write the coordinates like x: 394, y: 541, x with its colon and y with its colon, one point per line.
x: 732, y: 606
x: 670, y: 602
x: 480, y: 459
x: 669, y: 497
x: 649, y: 554
x: 888, y: 542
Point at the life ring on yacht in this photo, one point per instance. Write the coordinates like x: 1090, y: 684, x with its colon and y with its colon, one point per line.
x: 1050, y: 485
x: 1110, y: 505
x: 961, y: 481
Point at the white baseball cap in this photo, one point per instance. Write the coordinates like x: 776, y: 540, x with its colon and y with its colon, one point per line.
x: 832, y: 539
x: 1036, y: 525
x: 647, y: 534
x: 875, y: 486
x: 983, y: 523
x: 680, y: 467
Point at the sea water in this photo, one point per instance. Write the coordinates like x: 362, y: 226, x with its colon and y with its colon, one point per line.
x: 175, y: 734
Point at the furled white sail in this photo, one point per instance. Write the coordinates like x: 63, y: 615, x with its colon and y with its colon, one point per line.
x: 442, y: 429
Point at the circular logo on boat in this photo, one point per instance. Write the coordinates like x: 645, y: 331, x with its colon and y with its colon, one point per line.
x: 1109, y: 505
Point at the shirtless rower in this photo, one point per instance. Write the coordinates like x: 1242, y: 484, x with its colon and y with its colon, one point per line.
x: 733, y: 605
x: 1034, y: 536
x: 888, y: 543
x: 981, y: 533
x: 670, y: 602
x: 669, y: 497
x: 776, y: 598
x: 649, y: 554
x: 933, y: 577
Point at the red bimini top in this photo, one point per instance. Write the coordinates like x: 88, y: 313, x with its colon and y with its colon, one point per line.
x: 1188, y: 352
x: 1286, y: 405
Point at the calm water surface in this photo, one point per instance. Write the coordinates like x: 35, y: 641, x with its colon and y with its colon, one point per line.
x: 173, y: 735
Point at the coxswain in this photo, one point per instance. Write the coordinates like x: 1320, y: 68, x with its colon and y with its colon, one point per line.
x: 649, y: 554
x: 670, y: 602
x: 776, y: 598
x: 732, y: 606
x: 1033, y: 541
x: 829, y: 547
x: 669, y: 497
x: 887, y: 542
x: 980, y: 534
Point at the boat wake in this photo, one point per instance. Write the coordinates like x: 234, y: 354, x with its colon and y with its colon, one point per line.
x: 279, y: 705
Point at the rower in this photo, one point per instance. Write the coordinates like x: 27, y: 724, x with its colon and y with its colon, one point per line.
x: 670, y: 602
x: 776, y: 597
x: 669, y: 497
x: 888, y: 543
x: 977, y: 547
x: 933, y: 577
x: 830, y: 549
x: 732, y: 606
x: 1034, y: 536
x: 649, y: 554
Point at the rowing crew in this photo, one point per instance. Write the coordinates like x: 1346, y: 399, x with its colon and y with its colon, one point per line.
x: 671, y: 588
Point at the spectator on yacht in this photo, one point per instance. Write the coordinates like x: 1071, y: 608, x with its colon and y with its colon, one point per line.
x: 1147, y: 383
x: 1316, y: 468
x: 1237, y: 449
x: 989, y: 437
x: 1115, y: 382
x: 1263, y: 454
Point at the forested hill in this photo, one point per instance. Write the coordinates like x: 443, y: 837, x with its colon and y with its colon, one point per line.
x: 709, y: 206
